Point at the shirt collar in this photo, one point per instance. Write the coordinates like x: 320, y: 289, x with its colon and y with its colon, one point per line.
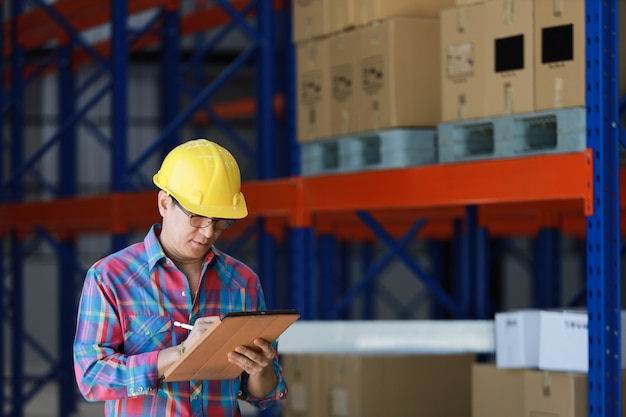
x: 155, y: 251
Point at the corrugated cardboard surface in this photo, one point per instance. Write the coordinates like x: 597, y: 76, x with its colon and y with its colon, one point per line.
x: 342, y: 15
x: 313, y: 89
x: 510, y: 91
x: 497, y: 392
x: 368, y: 11
x: 344, y: 53
x: 529, y: 393
x: 555, y: 394
x: 303, y: 375
x: 398, y: 74
x: 560, y: 83
x: 413, y: 385
x: 311, y: 19
x: 463, y: 63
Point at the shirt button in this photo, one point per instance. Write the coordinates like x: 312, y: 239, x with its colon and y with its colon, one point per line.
x: 184, y: 293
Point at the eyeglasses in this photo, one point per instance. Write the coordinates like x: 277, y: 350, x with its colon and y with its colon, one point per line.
x: 200, y: 222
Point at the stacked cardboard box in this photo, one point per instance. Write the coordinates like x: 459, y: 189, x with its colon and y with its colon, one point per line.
x: 528, y: 392
x: 377, y: 385
x: 366, y: 65
x: 503, y: 57
x: 487, y: 59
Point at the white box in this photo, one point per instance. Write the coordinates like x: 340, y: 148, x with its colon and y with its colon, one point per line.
x: 517, y: 339
x: 550, y: 340
x: 564, y: 341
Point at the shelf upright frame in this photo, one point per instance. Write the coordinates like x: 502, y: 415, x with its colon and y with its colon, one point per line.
x: 603, y: 227
x: 3, y: 106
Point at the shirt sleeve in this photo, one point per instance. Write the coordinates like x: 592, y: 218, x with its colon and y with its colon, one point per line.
x: 103, y: 371
x: 279, y: 392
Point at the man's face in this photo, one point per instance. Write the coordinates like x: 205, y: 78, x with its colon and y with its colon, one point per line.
x: 181, y: 240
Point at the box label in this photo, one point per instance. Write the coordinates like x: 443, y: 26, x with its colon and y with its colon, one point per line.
x: 460, y: 60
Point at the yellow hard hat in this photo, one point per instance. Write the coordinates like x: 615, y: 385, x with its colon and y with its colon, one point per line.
x: 204, y: 178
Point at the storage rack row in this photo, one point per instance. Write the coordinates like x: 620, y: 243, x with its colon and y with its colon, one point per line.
x: 577, y: 194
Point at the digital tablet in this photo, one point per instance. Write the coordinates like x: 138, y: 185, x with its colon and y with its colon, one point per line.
x: 207, y: 359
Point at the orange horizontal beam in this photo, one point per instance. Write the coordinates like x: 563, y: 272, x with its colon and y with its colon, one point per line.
x: 566, y: 177
x: 37, y: 28
x: 513, y: 195
x: 122, y: 212
x: 237, y: 109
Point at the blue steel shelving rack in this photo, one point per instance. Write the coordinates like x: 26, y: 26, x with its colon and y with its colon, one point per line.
x: 263, y: 32
x: 603, y: 278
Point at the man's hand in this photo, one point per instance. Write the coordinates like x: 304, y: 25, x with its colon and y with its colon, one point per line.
x: 254, y: 361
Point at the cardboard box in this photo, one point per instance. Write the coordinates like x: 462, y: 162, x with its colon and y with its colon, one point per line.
x: 463, y: 63
x: 517, y: 339
x: 398, y: 385
x: 342, y: 15
x: 313, y: 89
x: 344, y: 108
x: 497, y: 392
x: 554, y: 394
x: 304, y: 378
x: 510, y: 64
x: 368, y: 11
x: 557, y: 394
x: 398, y: 74
x: 559, y: 54
x: 468, y: 2
x: 551, y: 340
x: 564, y: 341
x: 311, y: 19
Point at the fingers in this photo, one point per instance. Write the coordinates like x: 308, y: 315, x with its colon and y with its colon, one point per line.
x: 253, y: 361
x: 200, y: 326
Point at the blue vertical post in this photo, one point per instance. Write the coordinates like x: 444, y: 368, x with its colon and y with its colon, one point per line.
x: 482, y: 301
x: 548, y: 260
x: 169, y: 74
x: 3, y: 105
x: 367, y: 254
x: 603, y: 227
x: 469, y: 275
x: 303, y: 288
x: 439, y: 272
x: 17, y: 329
x: 327, y: 256
x: 68, y: 188
x: 16, y: 193
x: 345, y: 273
x: 267, y: 264
x: 459, y: 266
x: 265, y: 119
x: 119, y: 102
x: 265, y: 89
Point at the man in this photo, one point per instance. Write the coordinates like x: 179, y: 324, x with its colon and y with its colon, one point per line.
x: 126, y: 338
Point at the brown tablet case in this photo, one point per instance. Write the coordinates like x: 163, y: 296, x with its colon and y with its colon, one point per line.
x: 207, y: 359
